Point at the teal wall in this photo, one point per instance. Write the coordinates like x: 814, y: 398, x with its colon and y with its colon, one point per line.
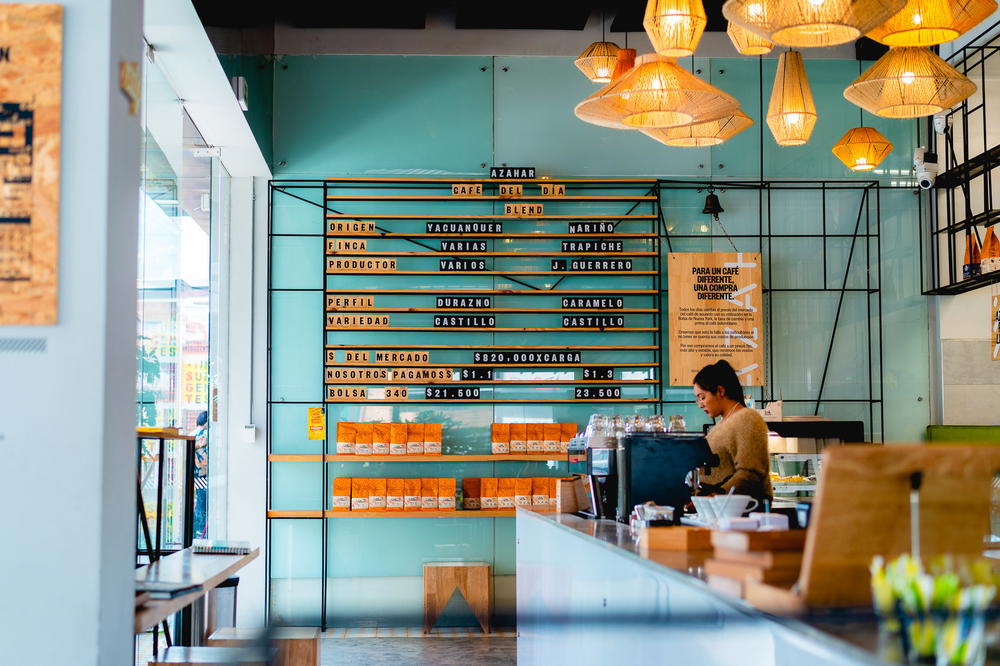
x: 446, y: 117
x: 259, y: 73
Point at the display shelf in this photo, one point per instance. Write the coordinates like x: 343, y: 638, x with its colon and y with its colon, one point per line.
x: 490, y: 513
x: 526, y: 367
x: 431, y: 329
x: 797, y: 457
x: 295, y: 457
x: 968, y: 170
x: 496, y: 216
x: 987, y: 219
x: 543, y: 457
x: 501, y: 310
x: 794, y: 487
x: 404, y: 235
x: 502, y: 292
x: 449, y: 253
x: 502, y: 272
x: 540, y: 347
x: 317, y: 513
x: 447, y: 182
x: 493, y: 401
x: 488, y: 382
x: 963, y: 286
x: 485, y: 197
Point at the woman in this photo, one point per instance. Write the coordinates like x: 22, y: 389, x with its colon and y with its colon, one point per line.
x: 739, y: 439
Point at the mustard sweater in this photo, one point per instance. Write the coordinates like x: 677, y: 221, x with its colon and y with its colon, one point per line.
x: 741, y: 444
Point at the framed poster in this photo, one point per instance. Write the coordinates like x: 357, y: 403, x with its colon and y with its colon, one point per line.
x: 714, y: 303
x: 30, y: 98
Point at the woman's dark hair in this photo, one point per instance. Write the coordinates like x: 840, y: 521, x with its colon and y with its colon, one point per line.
x: 202, y: 418
x: 711, y: 377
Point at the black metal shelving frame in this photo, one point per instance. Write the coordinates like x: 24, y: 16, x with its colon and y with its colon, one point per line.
x: 949, y: 202
x: 867, y: 231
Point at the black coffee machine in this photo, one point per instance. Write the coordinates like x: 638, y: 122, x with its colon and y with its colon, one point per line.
x: 646, y: 466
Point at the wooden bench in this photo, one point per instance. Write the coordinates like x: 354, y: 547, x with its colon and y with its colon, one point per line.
x: 193, y: 656
x: 296, y: 646
x: 473, y: 581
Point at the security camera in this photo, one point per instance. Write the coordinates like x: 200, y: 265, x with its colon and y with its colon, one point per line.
x: 942, y: 123
x: 926, y: 167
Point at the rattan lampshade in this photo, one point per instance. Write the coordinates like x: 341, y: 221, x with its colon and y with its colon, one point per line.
x: 710, y: 133
x: 597, y: 62
x: 807, y: 23
x: 658, y: 92
x: 791, y: 115
x: 746, y: 42
x: 862, y: 148
x: 909, y: 82
x: 929, y: 22
x: 605, y: 111
x: 674, y: 26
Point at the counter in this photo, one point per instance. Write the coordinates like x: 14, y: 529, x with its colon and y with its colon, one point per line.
x: 586, y: 596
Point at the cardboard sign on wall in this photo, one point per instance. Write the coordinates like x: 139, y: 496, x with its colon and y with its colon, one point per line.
x: 714, y: 302
x: 995, y: 328
x: 30, y: 92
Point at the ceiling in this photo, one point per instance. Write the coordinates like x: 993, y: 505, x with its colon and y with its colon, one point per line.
x: 621, y: 16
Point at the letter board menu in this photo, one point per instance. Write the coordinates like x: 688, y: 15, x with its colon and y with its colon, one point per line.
x: 505, y: 291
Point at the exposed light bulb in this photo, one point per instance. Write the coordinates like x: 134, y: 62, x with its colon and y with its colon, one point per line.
x: 907, y: 77
x: 816, y: 3
x: 794, y: 118
x: 755, y: 9
x: 674, y: 16
x: 917, y: 19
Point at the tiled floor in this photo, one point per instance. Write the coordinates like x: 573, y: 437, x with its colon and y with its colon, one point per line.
x: 493, y: 650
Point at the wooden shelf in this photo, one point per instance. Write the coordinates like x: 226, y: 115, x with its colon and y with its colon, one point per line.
x: 490, y: 382
x: 492, y: 401
x: 445, y: 273
x: 527, y: 367
x: 163, y: 434
x: 499, y: 181
x: 332, y: 457
x: 510, y: 218
x: 400, y: 234
x: 499, y: 292
x: 488, y: 513
x: 431, y: 329
x: 545, y: 457
x: 444, y: 253
x: 485, y: 197
x: 963, y: 286
x: 510, y: 310
x: 542, y: 347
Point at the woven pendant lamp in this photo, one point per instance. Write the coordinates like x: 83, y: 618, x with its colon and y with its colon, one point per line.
x: 862, y: 148
x: 909, y: 82
x: 746, y: 42
x: 605, y: 111
x: 658, y: 92
x: 930, y: 22
x: 598, y: 61
x: 791, y: 114
x: 710, y: 133
x: 809, y: 23
x: 674, y: 26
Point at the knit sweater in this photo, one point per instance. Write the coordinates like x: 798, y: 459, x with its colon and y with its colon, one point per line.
x: 741, y: 444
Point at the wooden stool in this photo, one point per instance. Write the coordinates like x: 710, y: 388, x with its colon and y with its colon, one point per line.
x: 474, y: 582
x: 178, y: 655
x: 296, y: 646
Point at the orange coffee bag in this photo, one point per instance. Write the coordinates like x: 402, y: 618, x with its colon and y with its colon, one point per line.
x: 414, y: 439
x: 363, y: 439
x: 376, y: 495
x: 341, y: 494
x: 346, y: 432
x: 380, y: 439
x: 540, y: 491
x: 505, y: 493
x: 518, y: 438
x: 394, y: 494
x: 359, y: 494
x: 471, y: 489
x: 568, y: 433
x: 412, y: 499
x: 551, y: 434
x: 397, y: 439
x: 446, y: 494
x: 429, y: 494
x: 432, y: 439
x: 488, y: 493
x: 501, y: 438
x: 553, y: 491
x: 522, y: 492
x: 533, y: 438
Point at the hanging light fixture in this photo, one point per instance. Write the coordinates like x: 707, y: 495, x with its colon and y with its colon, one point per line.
x: 862, y: 148
x: 605, y: 111
x: 909, y: 82
x: 791, y: 114
x: 808, y: 23
x: 746, y: 42
x: 674, y: 26
x: 698, y: 135
x: 597, y: 61
x: 930, y: 22
x: 658, y: 92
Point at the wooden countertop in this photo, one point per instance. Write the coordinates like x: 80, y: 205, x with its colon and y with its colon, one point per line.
x: 185, y: 568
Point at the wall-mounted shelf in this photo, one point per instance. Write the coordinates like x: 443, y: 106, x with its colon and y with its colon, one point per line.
x: 542, y: 347
x: 508, y: 218
x: 485, y: 197
x: 502, y: 292
x: 489, y: 513
x: 431, y: 329
x: 963, y: 286
x: 330, y: 457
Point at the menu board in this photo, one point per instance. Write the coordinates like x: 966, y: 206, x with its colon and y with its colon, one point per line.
x: 557, y: 236
x: 714, y: 305
x: 30, y: 97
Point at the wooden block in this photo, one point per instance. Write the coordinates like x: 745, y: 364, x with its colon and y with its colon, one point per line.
x: 553, y: 190
x: 768, y: 559
x: 774, y: 599
x: 681, y: 560
x: 680, y: 537
x: 360, y: 375
x: 349, y: 227
x: 467, y: 190
x: 727, y: 586
x: 296, y: 646
x: 350, y: 303
x: 178, y: 655
x: 335, y: 245
x: 473, y: 580
x: 779, y: 540
x: 510, y: 191
x: 741, y: 571
x: 360, y: 265
x: 334, y: 320
x: 523, y: 210
x: 566, y: 495
x: 397, y: 357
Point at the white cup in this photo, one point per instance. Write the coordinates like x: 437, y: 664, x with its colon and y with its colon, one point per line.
x: 732, y: 506
x: 706, y: 511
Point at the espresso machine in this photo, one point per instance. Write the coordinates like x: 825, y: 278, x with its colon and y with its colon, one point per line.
x: 643, y: 467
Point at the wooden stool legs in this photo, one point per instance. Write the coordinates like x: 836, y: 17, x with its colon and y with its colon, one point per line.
x: 473, y: 581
